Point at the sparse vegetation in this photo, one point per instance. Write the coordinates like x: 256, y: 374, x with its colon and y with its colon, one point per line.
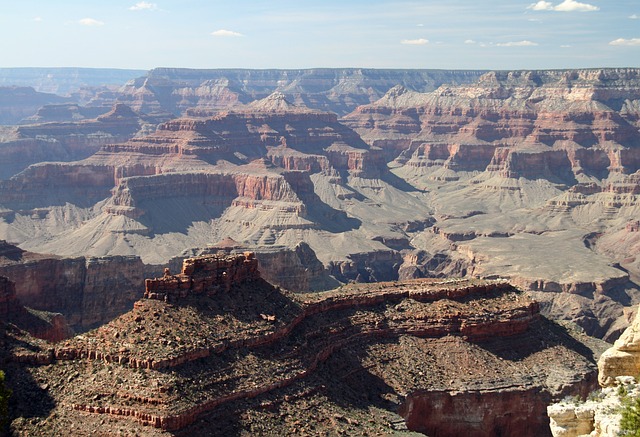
x: 5, y: 394
x: 630, y: 418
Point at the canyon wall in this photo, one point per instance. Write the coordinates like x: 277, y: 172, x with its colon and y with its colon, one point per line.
x: 87, y: 291
x: 176, y: 90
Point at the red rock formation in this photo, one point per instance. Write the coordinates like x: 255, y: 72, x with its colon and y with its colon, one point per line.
x: 559, y: 122
x: 204, y: 275
x: 87, y: 291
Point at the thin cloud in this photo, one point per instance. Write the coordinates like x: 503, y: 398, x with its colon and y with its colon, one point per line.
x: 565, y: 6
x: 38, y: 19
x: 415, y: 42
x: 469, y: 41
x: 144, y: 6
x: 91, y: 22
x: 634, y: 16
x: 625, y: 42
x: 226, y: 33
x: 524, y: 43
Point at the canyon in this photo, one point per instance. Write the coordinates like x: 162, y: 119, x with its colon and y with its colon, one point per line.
x: 527, y: 175
x: 216, y: 345
x: 342, y: 191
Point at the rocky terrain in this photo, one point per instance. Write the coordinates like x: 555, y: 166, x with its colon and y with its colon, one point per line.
x: 46, y: 139
x: 526, y: 175
x: 18, y: 102
x: 182, y: 91
x: 216, y: 350
x: 600, y: 414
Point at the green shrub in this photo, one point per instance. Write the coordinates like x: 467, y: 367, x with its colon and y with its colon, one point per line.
x: 630, y: 418
x: 5, y: 394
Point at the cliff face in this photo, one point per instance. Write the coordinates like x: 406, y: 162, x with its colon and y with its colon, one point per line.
x: 18, y: 102
x: 527, y: 175
x: 336, y: 90
x: 224, y: 324
x: 549, y: 124
x: 67, y: 140
x: 87, y: 291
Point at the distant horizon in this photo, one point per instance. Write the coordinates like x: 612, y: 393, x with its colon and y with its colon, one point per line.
x: 290, y: 35
x: 322, y: 68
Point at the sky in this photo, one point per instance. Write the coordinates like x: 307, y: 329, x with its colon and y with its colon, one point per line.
x: 443, y: 34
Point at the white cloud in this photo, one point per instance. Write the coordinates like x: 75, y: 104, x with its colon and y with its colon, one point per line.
x: 565, y: 6
x: 90, y: 22
x: 541, y: 6
x: 415, y: 42
x: 144, y: 6
x: 566, y: 46
x: 574, y: 6
x: 38, y: 19
x: 469, y: 41
x: 634, y: 16
x: 223, y: 32
x: 625, y: 42
x: 524, y: 43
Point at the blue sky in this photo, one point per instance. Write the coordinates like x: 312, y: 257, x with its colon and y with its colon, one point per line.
x: 457, y: 34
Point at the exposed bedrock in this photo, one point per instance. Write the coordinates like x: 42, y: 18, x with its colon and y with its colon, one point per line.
x: 87, y: 291
x: 18, y: 102
x: 235, y: 343
x: 68, y: 141
x: 336, y: 90
x: 577, y: 123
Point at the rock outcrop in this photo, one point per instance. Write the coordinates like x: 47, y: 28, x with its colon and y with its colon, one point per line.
x: 204, y: 275
x: 87, y: 291
x: 623, y: 359
x: 600, y: 414
x: 228, y: 337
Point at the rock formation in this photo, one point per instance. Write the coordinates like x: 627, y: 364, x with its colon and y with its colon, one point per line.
x: 87, y: 291
x: 623, y: 359
x: 240, y: 348
x: 204, y: 275
x: 177, y: 90
x: 67, y: 140
x: 600, y: 415
x: 18, y: 102
x: 525, y: 175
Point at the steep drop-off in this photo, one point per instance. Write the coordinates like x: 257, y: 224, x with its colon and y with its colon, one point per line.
x: 215, y: 349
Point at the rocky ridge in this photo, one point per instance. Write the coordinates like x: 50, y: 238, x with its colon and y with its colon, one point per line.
x: 250, y: 349
x: 526, y: 175
x: 191, y: 92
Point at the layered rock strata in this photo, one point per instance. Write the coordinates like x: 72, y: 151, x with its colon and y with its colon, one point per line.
x: 87, y: 291
x: 337, y: 90
x: 208, y: 351
x: 206, y: 274
x: 68, y: 140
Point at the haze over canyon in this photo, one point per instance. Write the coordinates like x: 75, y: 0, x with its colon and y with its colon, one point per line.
x: 523, y: 185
